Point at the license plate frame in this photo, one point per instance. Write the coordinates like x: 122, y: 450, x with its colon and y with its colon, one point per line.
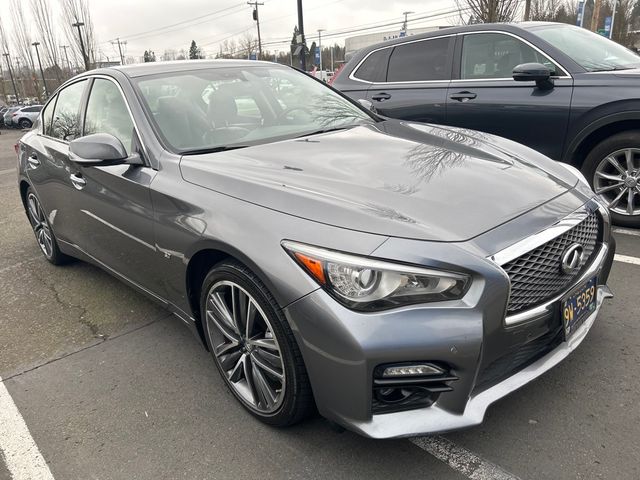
x: 576, y: 307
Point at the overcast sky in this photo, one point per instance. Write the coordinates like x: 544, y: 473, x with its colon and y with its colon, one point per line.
x: 131, y: 19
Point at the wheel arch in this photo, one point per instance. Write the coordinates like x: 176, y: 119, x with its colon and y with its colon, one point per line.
x: 596, y: 132
x: 24, y: 186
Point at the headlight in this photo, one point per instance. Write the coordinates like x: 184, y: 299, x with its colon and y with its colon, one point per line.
x: 577, y: 173
x: 362, y: 283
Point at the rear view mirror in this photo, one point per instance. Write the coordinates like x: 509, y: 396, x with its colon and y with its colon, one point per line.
x: 534, y: 72
x: 100, y: 149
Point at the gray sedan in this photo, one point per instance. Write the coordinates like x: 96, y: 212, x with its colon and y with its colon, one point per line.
x: 397, y: 276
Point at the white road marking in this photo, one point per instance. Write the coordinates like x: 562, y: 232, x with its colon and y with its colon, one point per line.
x: 626, y: 231
x: 461, y: 459
x: 21, y: 455
x: 627, y: 259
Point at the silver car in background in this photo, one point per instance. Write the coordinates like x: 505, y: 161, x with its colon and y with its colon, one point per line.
x: 23, y: 117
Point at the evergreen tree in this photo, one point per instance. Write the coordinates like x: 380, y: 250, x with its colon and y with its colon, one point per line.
x: 149, y: 56
x: 194, y: 51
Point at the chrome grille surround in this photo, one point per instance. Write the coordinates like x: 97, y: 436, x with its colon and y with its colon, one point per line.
x: 536, y: 276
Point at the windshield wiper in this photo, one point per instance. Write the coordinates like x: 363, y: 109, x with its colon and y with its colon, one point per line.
x: 224, y: 148
x: 327, y: 130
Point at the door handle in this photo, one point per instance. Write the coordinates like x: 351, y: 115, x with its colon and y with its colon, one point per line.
x: 77, y: 181
x: 33, y: 161
x: 380, y: 97
x: 463, y: 96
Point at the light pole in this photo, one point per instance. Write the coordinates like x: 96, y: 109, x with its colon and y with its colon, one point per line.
x: 613, y: 18
x: 13, y: 82
x: 404, y: 24
x: 66, y: 56
x: 303, y: 60
x: 78, y: 25
x: 320, y: 30
x: 44, y: 82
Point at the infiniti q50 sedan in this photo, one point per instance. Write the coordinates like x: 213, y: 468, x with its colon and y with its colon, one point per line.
x: 397, y: 276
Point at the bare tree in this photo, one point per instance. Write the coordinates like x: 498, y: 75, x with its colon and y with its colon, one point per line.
x: 545, y: 10
x: 247, y: 44
x: 77, y: 11
x: 623, y: 22
x: 489, y: 11
x: 22, y: 41
x: 41, y: 10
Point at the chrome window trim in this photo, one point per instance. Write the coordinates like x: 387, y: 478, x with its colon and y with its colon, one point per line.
x: 414, y: 82
x: 353, y: 77
x: 534, y: 241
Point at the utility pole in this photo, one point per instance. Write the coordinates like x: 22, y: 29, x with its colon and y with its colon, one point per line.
x: 404, y: 24
x: 119, y: 49
x: 527, y: 10
x: 320, y: 30
x: 44, y: 81
x: 596, y: 15
x: 66, y: 55
x: 303, y: 59
x: 78, y: 25
x: 256, y: 17
x: 332, y: 69
x: 613, y: 18
x: 13, y: 82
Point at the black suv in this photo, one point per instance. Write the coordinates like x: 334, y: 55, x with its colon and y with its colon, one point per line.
x: 562, y: 90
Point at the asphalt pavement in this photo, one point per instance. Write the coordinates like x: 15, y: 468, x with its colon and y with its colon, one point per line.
x: 112, y: 387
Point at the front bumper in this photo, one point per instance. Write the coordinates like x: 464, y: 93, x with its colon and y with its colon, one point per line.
x: 342, y: 348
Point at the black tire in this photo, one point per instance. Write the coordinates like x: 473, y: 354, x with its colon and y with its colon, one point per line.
x: 297, y: 402
x: 615, y: 143
x: 52, y: 254
x: 25, y: 123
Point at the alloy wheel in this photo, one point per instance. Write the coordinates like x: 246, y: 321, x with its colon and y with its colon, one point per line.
x: 245, y: 347
x: 40, y: 225
x: 617, y: 181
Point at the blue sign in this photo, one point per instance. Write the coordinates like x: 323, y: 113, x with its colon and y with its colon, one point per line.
x: 403, y: 34
x: 253, y: 56
x: 580, y: 13
x: 607, y: 27
x: 317, y: 56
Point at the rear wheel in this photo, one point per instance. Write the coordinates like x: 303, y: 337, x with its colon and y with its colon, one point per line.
x: 613, y: 169
x: 253, y: 346
x: 25, y: 123
x: 42, y: 230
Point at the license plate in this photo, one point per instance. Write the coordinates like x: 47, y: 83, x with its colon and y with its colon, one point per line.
x: 578, y: 306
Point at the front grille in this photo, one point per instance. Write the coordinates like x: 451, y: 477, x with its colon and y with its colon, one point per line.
x: 537, y: 277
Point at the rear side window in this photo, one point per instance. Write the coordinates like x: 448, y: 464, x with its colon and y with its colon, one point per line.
x: 66, y: 119
x: 47, y: 116
x: 374, y: 68
x: 421, y: 61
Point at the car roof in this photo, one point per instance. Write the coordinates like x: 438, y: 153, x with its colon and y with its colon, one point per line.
x: 152, y: 68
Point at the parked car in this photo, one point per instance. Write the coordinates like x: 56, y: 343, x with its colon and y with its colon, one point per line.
x: 3, y: 110
x: 569, y: 93
x: 7, y: 117
x: 399, y: 276
x: 24, y: 117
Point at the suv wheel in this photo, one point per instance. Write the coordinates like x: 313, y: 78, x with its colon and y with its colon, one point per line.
x: 253, y: 346
x: 613, y: 169
x: 25, y: 123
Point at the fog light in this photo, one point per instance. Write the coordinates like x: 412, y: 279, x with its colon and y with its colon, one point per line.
x: 411, y: 371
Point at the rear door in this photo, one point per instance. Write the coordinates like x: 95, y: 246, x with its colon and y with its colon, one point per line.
x: 483, y: 95
x: 113, y: 208
x: 417, y: 78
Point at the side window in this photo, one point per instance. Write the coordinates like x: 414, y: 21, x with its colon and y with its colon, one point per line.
x: 494, y: 55
x: 374, y: 68
x: 47, y: 116
x: 424, y: 60
x: 66, y: 118
x: 107, y: 113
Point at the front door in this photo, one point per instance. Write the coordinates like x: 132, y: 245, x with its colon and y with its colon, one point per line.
x: 483, y: 96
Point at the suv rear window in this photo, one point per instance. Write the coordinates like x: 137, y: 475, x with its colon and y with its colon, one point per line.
x: 374, y: 68
x: 421, y: 61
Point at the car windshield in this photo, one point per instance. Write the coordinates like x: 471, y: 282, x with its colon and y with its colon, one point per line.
x: 592, y: 51
x: 232, y: 107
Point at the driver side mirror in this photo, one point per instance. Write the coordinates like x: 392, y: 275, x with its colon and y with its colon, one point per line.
x: 534, y: 72
x: 100, y: 149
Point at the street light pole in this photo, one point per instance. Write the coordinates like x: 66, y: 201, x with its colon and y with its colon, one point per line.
x: 320, y: 30
x: 44, y: 82
x: 613, y: 18
x: 13, y: 82
x: 66, y: 55
x: 84, y: 54
x: 303, y: 60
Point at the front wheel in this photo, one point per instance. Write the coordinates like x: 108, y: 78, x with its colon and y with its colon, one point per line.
x: 253, y: 346
x: 613, y: 169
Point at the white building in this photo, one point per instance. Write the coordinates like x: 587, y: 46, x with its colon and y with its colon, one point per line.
x: 353, y: 44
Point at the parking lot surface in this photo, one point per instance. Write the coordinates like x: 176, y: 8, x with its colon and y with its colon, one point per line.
x: 112, y: 387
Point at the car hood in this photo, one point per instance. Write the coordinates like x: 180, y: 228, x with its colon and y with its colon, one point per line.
x: 391, y: 178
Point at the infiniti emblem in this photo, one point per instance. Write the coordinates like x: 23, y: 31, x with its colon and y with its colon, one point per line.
x: 572, y: 259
